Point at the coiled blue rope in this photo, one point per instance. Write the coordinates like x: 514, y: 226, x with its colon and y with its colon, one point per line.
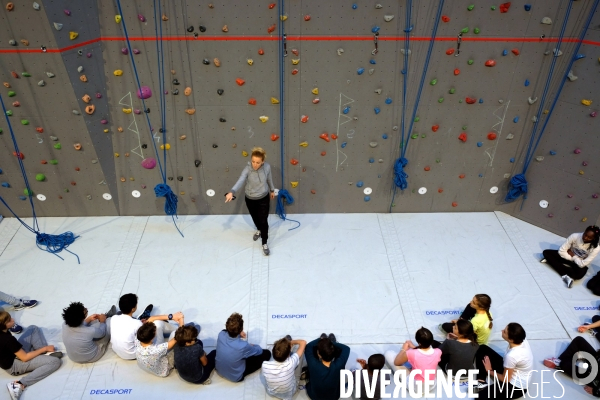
x: 399, y: 174
x: 164, y: 190
x: 284, y: 195
x: 516, y: 187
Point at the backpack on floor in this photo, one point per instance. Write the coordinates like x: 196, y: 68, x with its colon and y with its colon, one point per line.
x: 594, y: 284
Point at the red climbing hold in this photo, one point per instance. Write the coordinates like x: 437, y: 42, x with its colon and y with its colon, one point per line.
x: 304, y: 119
x: 504, y: 7
x: 334, y: 136
x: 516, y: 51
x: 14, y: 74
x: 261, y: 52
x: 252, y: 101
x: 294, y: 71
x: 435, y: 128
x: 271, y: 6
x: 43, y: 162
x: 454, y: 204
x: 456, y: 71
x: 240, y: 81
x: 316, y: 101
x: 274, y: 137
x: 324, y: 136
x: 427, y: 168
x: 293, y: 161
x: 271, y: 28
x: 307, y: 17
x: 20, y: 155
x: 445, y: 18
x: 323, y: 153
x: 440, y: 190
x: 470, y: 100
x: 462, y: 137
x: 490, y: 63
x: 491, y: 136
x: 40, y: 129
x: 450, y: 52
x: 462, y: 176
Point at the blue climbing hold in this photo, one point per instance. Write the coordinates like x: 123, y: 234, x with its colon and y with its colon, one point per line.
x: 5, y: 184
x: 354, y: 6
x: 479, y: 144
x: 512, y: 160
x: 377, y: 110
x: 480, y: 101
x: 360, y: 71
x: 372, y: 61
x: 367, y: 198
x: 409, y: 29
x: 505, y: 52
x: 371, y: 160
x: 526, y: 82
x: 552, y: 153
x: 516, y: 119
x: 359, y: 184
x: 344, y: 144
x: 388, y: 101
x: 375, y: 29
x: 384, y: 136
x: 481, y: 175
x: 23, y: 197
x: 379, y: 176
x: 0, y: 171
x: 527, y: 7
x: 578, y: 57
x: 346, y: 110
x: 403, y: 72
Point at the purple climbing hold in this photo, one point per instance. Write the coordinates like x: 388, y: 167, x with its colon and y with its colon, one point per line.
x: 67, y: 13
x: 89, y: 55
x: 141, y: 18
x: 144, y: 93
x: 104, y: 122
x: 550, y: 215
x: 595, y: 195
x: 577, y: 151
x: 149, y: 163
x: 576, y: 208
x: 593, y: 114
x: 98, y: 95
x: 570, y: 196
x: 166, y: 92
x: 136, y: 111
x: 136, y: 51
x: 584, y: 163
x: 124, y: 50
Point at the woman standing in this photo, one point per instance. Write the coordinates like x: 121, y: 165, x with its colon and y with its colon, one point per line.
x: 573, y: 257
x: 259, y: 190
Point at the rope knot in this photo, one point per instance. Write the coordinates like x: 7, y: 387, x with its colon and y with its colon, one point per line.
x: 164, y: 190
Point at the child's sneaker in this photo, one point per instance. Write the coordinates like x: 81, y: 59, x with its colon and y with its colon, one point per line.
x: 479, y: 387
x: 16, y: 329
x: 146, y: 313
x: 15, y: 390
x: 568, y: 280
x: 552, y: 363
x: 25, y: 304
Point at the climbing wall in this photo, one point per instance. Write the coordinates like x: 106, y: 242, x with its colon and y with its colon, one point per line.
x: 463, y: 109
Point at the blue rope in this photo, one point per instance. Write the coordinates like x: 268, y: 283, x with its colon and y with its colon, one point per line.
x: 162, y: 189
x: 50, y: 243
x: 399, y: 174
x: 280, y: 210
x: 518, y: 182
x: 283, y: 196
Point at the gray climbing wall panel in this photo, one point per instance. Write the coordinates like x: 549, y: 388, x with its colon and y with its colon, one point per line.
x: 457, y: 176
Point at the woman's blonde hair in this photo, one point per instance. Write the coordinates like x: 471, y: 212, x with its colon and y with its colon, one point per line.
x: 4, y: 319
x: 259, y: 152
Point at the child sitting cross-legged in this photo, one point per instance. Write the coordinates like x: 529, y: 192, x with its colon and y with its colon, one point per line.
x: 155, y: 359
x: 281, y: 374
x: 191, y: 361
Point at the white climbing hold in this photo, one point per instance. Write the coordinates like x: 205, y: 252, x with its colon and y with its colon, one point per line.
x: 53, y: 138
x: 510, y: 136
x: 41, y: 197
x: 340, y: 51
x: 501, y: 101
x: 388, y: 18
x: 531, y: 101
x: 36, y: 6
x: 547, y: 52
x: 494, y: 189
x: 378, y: 6
x: 58, y: 26
x: 50, y: 74
x: 539, y: 158
x: 534, y: 119
x: 543, y: 204
x: 367, y: 190
x: 381, y: 160
x: 76, y: 112
x: 356, y: 118
x: 371, y: 71
x: 136, y: 193
x: 547, y: 21
x: 403, y: 51
x: 210, y: 192
x: 80, y: 69
x: 373, y: 144
x: 106, y: 196
x: 378, y: 91
x: 557, y: 52
x: 506, y: 176
x: 395, y: 128
x: 422, y: 190
x: 571, y: 76
x: 41, y: 83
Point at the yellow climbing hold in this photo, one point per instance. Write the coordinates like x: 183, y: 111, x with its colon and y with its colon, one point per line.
x: 117, y: 154
x: 304, y: 144
x: 581, y: 172
x: 118, y: 72
x: 73, y: 35
x: 263, y: 118
x: 250, y: 61
x: 106, y: 131
x: 315, y: 91
x: 165, y: 146
x: 546, y: 111
x: 583, y: 219
x: 294, y: 184
x: 586, y: 102
x: 274, y: 100
x: 127, y: 110
x: 283, y: 17
x: 118, y: 19
x: 295, y: 61
x: 244, y: 153
x: 120, y: 129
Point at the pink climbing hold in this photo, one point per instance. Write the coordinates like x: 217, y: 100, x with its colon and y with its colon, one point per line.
x: 144, y: 92
x: 584, y: 163
x: 136, y: 111
x: 67, y: 12
x: 595, y: 195
x: 141, y: 18
x: 149, y: 163
x: 98, y: 95
x: 103, y: 122
x: 593, y: 114
x: 136, y: 51
x: 577, y: 151
x: 124, y: 50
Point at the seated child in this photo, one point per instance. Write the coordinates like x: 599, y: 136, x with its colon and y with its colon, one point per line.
x: 280, y: 375
x: 191, y: 361
x: 155, y: 359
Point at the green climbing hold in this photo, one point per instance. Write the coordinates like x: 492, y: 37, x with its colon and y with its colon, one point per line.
x: 66, y: 190
x: 451, y: 91
x: 460, y: 101
x: 476, y: 30
x: 465, y: 30
x: 437, y: 160
x: 24, y: 122
x: 493, y: 8
x: 433, y: 82
x: 53, y: 162
x: 423, y: 136
x: 416, y: 119
x: 441, y: 100
x: 413, y: 190
x: 26, y: 74
x: 40, y: 177
x: 471, y: 7
x: 1, y: 131
x: 12, y: 93
x: 415, y: 135
x: 9, y: 113
x: 464, y: 128
x: 470, y: 62
x: 27, y: 192
x: 57, y: 146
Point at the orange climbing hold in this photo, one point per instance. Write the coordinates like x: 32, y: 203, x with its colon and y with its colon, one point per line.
x: 470, y: 100
x: 40, y: 129
x: 304, y: 119
x: 294, y: 71
x: 240, y: 81
x: 86, y: 98
x: 187, y: 91
x: 20, y: 155
x: 293, y: 161
x: 324, y: 136
x: 445, y: 18
x: 271, y: 28
x: 491, y: 136
x: 252, y: 101
x: 456, y: 71
x: 504, y: 7
x: 462, y: 137
x: 334, y: 136
x: 77, y: 146
x: 274, y: 137
x: 323, y: 153
x: 43, y: 162
x: 83, y: 78
x: 450, y: 52
x: 90, y: 109
x: 14, y: 74
x: 435, y: 128
x: 516, y: 51
x: 10, y: 6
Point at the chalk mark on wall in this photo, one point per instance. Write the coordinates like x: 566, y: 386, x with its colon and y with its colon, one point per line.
x: 498, y: 128
x: 39, y: 138
x: 347, y: 100
x: 250, y: 131
x: 137, y: 150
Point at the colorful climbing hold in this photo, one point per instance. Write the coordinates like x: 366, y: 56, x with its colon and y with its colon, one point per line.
x: 274, y: 137
x: 450, y: 51
x: 252, y: 101
x: 377, y: 110
x: 504, y: 7
x: 586, y: 102
x: 462, y: 137
x: 240, y: 81
x: 445, y: 18
x: 516, y: 51
x: 263, y: 118
x: 360, y: 71
x: 275, y: 101
x: 470, y: 100
x: 490, y: 63
x: 433, y: 82
x: 491, y: 136
x: 293, y: 161
x: 324, y: 136
x: 118, y: 72
x: 304, y: 119
x: 479, y: 144
x: 73, y: 35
